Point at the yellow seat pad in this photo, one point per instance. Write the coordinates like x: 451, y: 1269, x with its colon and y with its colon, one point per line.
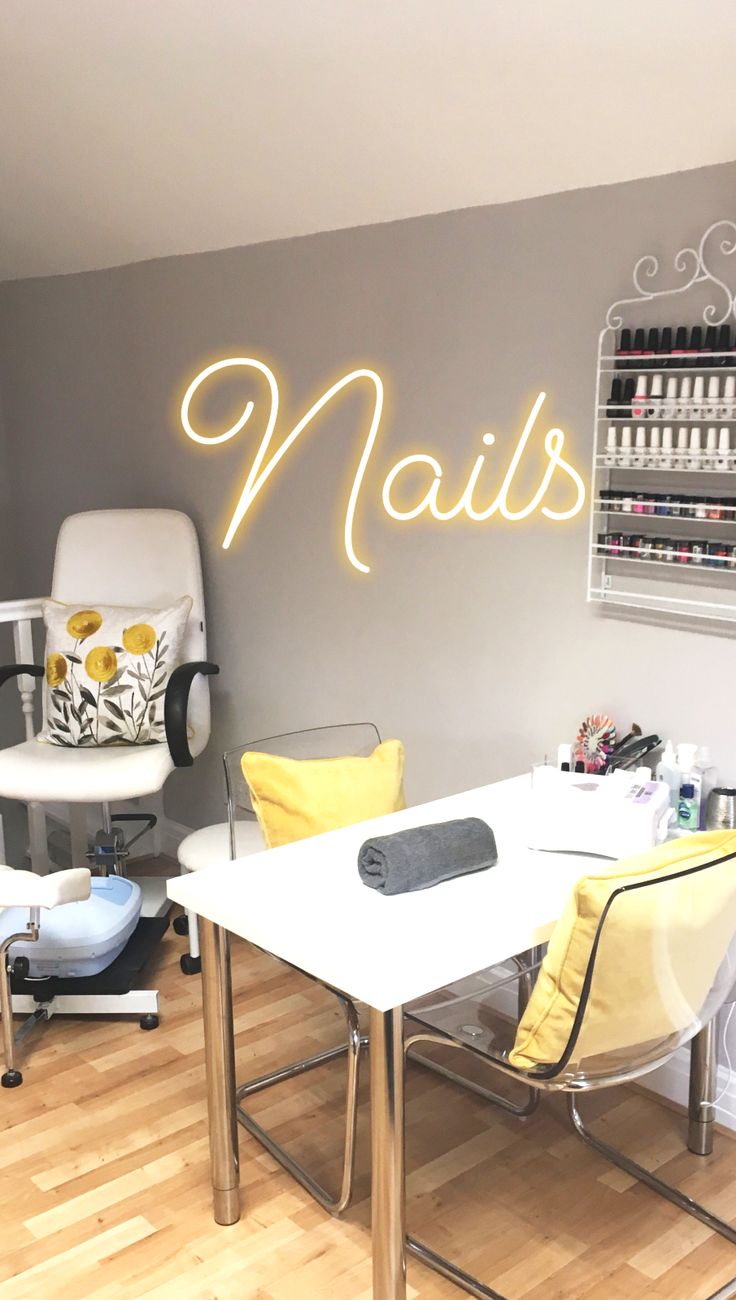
x: 294, y: 798
x: 657, y: 957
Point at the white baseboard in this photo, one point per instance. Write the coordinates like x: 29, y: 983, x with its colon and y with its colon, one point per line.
x: 172, y: 834
x: 672, y: 1080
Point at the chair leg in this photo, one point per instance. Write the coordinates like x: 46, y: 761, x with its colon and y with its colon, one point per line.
x: 335, y: 1204
x: 657, y: 1184
x: 11, y: 1078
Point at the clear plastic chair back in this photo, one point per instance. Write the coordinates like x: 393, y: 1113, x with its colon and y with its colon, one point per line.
x: 662, y: 964
x: 347, y: 739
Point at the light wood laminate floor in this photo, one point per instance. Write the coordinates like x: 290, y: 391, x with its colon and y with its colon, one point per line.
x: 104, y: 1184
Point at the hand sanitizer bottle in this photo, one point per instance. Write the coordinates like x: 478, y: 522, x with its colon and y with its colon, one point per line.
x: 667, y: 771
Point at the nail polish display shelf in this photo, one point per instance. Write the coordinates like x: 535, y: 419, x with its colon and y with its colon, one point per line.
x: 676, y: 582
x: 599, y: 463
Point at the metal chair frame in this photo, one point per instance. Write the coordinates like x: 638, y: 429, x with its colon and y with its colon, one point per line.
x: 351, y: 1049
x: 548, y: 1079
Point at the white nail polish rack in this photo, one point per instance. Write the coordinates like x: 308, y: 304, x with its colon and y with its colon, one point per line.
x: 663, y: 488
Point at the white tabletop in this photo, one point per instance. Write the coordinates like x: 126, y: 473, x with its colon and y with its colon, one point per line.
x: 306, y: 903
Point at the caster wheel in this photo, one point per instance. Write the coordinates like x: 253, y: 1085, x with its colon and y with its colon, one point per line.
x: 149, y: 1022
x: 11, y: 1079
x: 21, y: 968
x: 181, y: 924
x: 190, y: 965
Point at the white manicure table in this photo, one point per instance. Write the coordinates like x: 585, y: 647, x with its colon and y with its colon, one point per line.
x: 305, y: 903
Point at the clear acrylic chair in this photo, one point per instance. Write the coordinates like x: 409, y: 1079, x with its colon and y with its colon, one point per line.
x: 357, y: 739
x: 666, y: 944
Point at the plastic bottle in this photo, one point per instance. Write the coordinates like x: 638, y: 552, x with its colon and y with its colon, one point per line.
x: 690, y: 775
x: 667, y: 771
x: 687, y: 808
x: 708, y: 772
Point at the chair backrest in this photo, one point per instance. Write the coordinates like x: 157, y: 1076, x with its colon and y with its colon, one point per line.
x: 148, y: 558
x: 660, y: 965
x: 345, y: 739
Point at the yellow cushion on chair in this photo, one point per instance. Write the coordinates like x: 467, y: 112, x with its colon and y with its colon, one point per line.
x: 656, y: 964
x: 294, y: 798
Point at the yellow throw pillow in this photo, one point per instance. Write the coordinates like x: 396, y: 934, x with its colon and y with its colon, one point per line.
x: 294, y: 798
x: 659, y: 953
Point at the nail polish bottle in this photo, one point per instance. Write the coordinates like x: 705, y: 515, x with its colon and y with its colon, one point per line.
x: 669, y: 401
x: 654, y: 404
x: 639, y: 400
x: 682, y: 411
x: 654, y: 456
x: 680, y: 348
x: 623, y: 351
x: 624, y: 455
x: 638, y: 345
x: 682, y: 447
x: 665, y: 347
x: 628, y: 395
x: 727, y: 402
x: 710, y: 455
x: 697, y: 404
x: 609, y: 455
x: 639, y: 458
x: 711, y: 408
x: 613, y: 405
x: 695, y: 346
x: 723, y: 460
x: 666, y: 459
x: 695, y: 457
x: 724, y: 345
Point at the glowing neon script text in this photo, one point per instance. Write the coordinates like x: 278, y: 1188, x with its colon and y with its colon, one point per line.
x: 265, y: 462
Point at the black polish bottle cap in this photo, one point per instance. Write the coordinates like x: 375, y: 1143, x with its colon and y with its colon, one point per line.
x: 681, y: 339
x: 696, y: 344
x: 711, y: 338
x: 580, y: 765
x: 629, y: 390
x: 614, y: 401
x: 665, y: 344
x: 638, y: 341
x: 624, y: 348
x: 724, y: 343
x: 653, y: 341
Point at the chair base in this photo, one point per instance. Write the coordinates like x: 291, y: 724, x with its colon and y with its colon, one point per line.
x: 352, y: 1049
x: 473, y: 1286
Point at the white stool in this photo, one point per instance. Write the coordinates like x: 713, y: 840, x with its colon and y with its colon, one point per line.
x: 205, y: 848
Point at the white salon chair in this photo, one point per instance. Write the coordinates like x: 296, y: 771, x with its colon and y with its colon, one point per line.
x: 146, y: 559
x: 25, y: 889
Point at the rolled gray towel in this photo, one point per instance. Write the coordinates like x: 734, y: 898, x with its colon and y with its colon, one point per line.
x: 426, y: 855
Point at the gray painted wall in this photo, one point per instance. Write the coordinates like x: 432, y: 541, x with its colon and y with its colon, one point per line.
x: 471, y: 642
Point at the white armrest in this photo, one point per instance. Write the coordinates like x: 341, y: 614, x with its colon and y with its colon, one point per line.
x: 13, y: 611
x: 26, y: 889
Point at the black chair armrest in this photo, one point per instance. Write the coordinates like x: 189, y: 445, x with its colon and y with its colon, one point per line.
x: 176, y: 704
x: 7, y: 671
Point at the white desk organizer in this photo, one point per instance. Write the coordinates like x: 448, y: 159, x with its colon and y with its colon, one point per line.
x: 611, y: 816
x: 667, y: 579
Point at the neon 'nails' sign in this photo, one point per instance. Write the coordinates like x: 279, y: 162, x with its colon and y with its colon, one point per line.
x: 265, y: 460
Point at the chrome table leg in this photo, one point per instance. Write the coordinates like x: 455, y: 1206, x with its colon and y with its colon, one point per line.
x: 387, y: 1154
x: 219, y: 1051
x: 703, y: 1071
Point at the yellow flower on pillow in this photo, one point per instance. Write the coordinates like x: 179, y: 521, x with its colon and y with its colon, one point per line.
x: 139, y: 639
x: 56, y: 669
x: 84, y: 623
x: 101, y: 663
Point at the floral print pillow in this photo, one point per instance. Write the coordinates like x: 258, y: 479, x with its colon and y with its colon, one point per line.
x: 107, y: 669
